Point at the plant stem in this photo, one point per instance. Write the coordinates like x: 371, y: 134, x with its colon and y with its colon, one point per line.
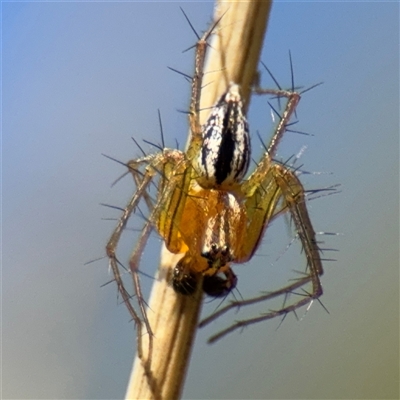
x: 232, y: 57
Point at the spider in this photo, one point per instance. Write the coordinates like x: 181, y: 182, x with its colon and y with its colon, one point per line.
x: 205, y: 208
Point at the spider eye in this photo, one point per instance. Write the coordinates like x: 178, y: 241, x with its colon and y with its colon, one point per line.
x: 211, y: 252
x: 225, y: 251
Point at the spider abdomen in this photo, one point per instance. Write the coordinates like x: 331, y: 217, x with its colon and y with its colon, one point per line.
x: 225, y: 154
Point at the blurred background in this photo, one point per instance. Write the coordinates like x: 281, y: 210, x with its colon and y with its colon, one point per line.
x: 79, y: 79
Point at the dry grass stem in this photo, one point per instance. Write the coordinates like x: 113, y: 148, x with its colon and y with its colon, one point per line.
x: 233, y: 56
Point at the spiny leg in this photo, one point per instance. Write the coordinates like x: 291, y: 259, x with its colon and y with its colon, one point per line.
x: 293, y: 99
x: 167, y: 166
x: 196, y: 139
x: 263, y: 317
x: 241, y: 303
x: 295, y: 200
x: 171, y: 168
x: 256, y: 179
x: 111, y: 248
x: 174, y: 177
x: 138, y: 177
x: 134, y: 267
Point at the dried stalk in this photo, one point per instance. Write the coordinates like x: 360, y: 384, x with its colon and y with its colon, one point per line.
x: 233, y: 57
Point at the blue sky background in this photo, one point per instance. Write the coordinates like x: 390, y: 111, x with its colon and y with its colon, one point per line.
x: 79, y: 79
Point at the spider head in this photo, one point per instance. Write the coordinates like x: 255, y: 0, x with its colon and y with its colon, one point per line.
x: 184, y: 280
x: 213, y: 263
x: 217, y: 257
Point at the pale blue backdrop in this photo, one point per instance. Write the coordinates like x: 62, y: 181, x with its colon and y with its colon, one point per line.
x: 78, y: 80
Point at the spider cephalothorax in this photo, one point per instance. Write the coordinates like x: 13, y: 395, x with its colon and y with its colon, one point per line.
x: 213, y: 223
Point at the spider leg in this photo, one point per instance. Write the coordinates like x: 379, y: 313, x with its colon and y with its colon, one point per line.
x: 236, y: 304
x: 196, y: 139
x: 173, y: 179
x: 263, y: 317
x: 293, y: 99
x: 134, y: 266
x: 111, y: 249
x: 138, y: 176
x: 294, y: 196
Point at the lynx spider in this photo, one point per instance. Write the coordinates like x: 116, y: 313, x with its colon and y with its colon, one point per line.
x: 206, y: 210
